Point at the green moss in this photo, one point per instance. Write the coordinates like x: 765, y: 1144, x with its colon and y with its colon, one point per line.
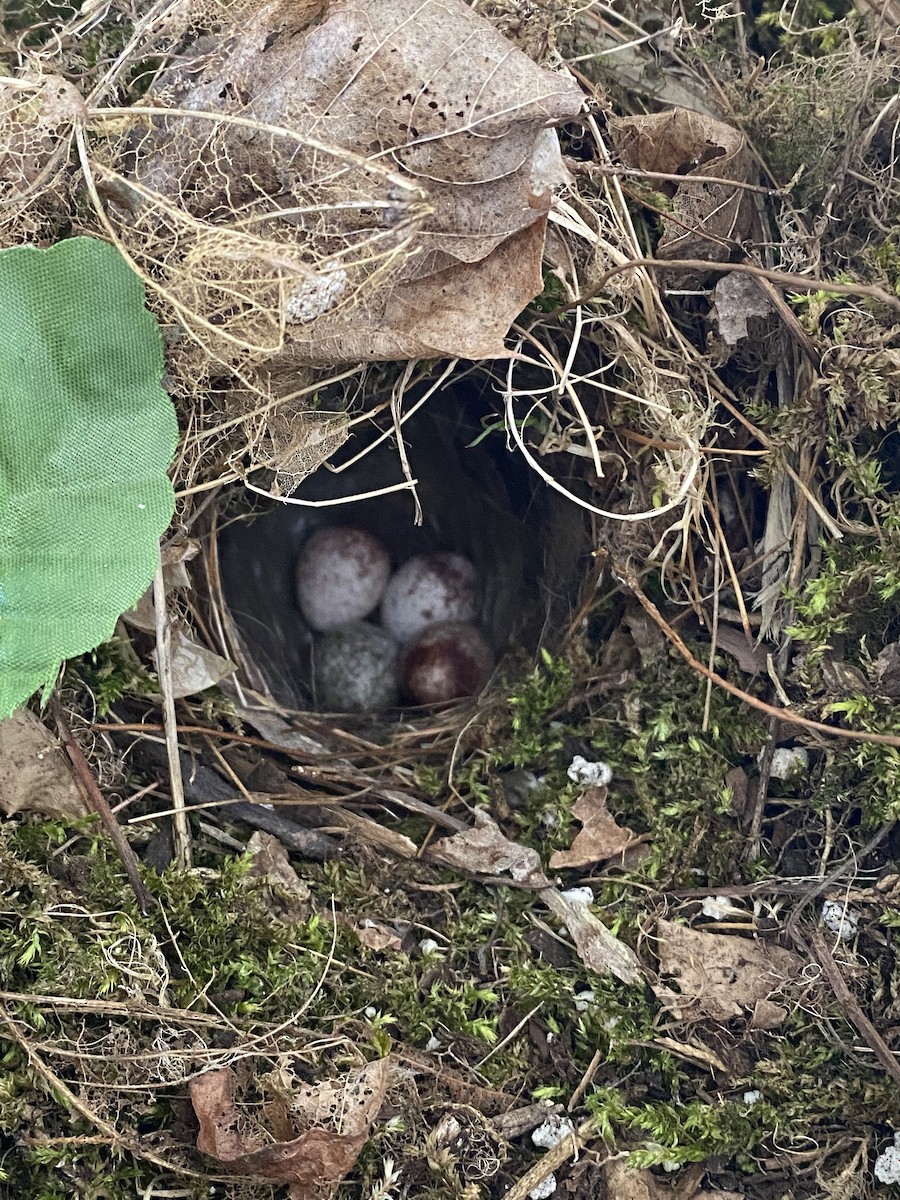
x: 498, y: 986
x: 109, y: 673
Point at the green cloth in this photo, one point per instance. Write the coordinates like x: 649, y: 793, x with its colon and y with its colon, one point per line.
x: 86, y: 436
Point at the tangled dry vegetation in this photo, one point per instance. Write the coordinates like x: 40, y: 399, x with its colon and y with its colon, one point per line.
x: 622, y: 926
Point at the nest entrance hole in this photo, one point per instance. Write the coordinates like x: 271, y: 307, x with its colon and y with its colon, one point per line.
x: 527, y: 544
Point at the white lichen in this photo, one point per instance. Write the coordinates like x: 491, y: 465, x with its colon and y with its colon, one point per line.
x: 718, y: 907
x: 313, y: 297
x: 840, y: 920
x: 551, y: 1132
x: 887, y: 1164
x: 789, y: 763
x: 544, y: 1189
x: 589, y: 774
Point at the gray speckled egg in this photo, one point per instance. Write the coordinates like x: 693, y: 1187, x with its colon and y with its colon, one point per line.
x: 355, y: 669
x: 427, y: 590
x: 341, y: 575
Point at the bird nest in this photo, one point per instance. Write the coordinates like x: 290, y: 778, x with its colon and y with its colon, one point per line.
x: 529, y: 548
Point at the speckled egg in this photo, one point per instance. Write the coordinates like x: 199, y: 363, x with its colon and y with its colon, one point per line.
x: 355, y: 669
x: 446, y: 662
x: 341, y: 576
x: 427, y: 590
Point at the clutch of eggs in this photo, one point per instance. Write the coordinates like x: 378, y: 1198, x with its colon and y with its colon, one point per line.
x: 426, y: 607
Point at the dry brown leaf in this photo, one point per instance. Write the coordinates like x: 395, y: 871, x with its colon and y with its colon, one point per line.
x: 707, y: 218
x: 751, y: 656
x: 646, y: 635
x: 600, y: 838
x: 175, y: 579
x: 716, y: 975
x: 431, y: 90
x: 271, y: 864
x: 193, y: 668
x: 34, y: 772
x: 376, y: 935
x: 518, y: 1121
x: 336, y: 1117
x: 738, y: 782
x: 462, y: 311
x: 629, y: 1183
x: 887, y: 666
x: 767, y: 1015
x: 484, y: 850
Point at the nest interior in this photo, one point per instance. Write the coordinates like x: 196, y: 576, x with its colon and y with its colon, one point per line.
x: 480, y: 500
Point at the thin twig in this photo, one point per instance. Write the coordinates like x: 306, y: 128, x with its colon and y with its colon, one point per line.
x: 851, y: 1007
x: 97, y: 801
x: 555, y: 1157
x: 586, y: 1080
x: 180, y: 827
x: 61, y: 1090
x: 628, y: 577
x: 407, y: 485
x: 783, y: 279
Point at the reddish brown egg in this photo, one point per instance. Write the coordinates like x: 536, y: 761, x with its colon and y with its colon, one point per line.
x: 447, y: 662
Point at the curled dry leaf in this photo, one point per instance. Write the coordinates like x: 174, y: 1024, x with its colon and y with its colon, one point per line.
x: 751, y: 656
x: 600, y: 838
x: 193, y: 667
x: 767, y: 1015
x: 34, y: 773
x: 718, y: 976
x: 175, y: 579
x: 335, y: 1117
x: 485, y: 850
x: 518, y: 1121
x: 887, y: 668
x: 425, y: 89
x: 738, y: 783
x: 707, y: 218
x: 376, y: 935
x: 597, y: 948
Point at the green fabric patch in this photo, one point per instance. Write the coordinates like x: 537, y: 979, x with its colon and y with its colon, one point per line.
x: 86, y: 436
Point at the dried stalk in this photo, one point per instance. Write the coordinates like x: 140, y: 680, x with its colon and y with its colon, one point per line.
x: 180, y: 826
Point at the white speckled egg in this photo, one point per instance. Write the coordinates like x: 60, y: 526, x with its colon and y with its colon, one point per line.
x: 341, y: 575
x: 446, y: 662
x: 355, y: 669
x: 427, y: 590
